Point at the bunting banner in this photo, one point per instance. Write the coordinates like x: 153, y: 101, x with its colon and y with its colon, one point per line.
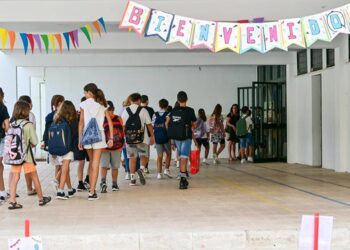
x: 240, y: 36
x: 51, y: 40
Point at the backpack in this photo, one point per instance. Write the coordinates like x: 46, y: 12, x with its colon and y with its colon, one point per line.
x: 15, y: 148
x: 178, y: 128
x: 134, y: 131
x: 199, y: 132
x: 241, y: 127
x: 160, y: 132
x: 118, y: 133
x: 92, y: 133
x: 59, y: 139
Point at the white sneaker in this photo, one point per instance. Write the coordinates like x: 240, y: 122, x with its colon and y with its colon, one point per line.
x: 127, y: 176
x: 159, y: 176
x: 167, y: 173
x: 177, y: 164
x: 250, y: 159
x: 205, y: 162
x: 243, y: 161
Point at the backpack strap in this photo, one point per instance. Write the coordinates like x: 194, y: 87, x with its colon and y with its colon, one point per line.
x: 129, y: 111
x: 157, y: 114
x: 138, y: 110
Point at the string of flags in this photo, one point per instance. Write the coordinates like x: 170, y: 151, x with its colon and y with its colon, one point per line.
x: 42, y: 42
x: 240, y: 36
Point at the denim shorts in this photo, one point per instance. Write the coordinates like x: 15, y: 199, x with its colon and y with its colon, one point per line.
x: 246, y: 141
x: 184, y: 148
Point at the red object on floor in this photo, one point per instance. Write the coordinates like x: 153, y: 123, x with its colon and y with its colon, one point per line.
x: 195, y: 160
x: 316, y: 229
x: 26, y: 228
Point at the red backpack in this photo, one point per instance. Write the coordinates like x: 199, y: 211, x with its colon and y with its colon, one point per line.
x: 118, y: 133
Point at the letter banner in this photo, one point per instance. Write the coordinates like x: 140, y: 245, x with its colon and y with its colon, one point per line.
x: 135, y: 17
x: 227, y: 37
x: 336, y: 21
x: 292, y: 32
x: 315, y: 29
x: 159, y: 25
x: 204, y: 35
x: 273, y: 37
x: 251, y: 37
x: 181, y: 31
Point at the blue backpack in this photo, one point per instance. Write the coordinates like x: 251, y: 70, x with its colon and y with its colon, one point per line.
x: 92, y: 133
x: 60, y: 138
x: 160, y: 132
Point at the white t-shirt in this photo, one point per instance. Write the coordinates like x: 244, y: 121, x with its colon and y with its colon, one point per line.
x: 250, y: 124
x: 93, y: 109
x: 32, y: 119
x: 144, y: 117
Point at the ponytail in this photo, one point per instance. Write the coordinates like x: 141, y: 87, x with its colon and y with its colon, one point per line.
x: 100, y: 98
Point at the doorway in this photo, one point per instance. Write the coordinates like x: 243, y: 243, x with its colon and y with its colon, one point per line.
x: 316, y: 91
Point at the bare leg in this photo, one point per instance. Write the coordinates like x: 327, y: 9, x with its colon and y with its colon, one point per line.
x: 2, y: 184
x: 64, y: 174
x: 115, y: 175
x: 37, y: 185
x: 222, y: 147
x: 167, y: 160
x: 29, y: 182
x: 81, y: 170
x: 144, y: 161
x: 13, y: 186
x: 159, y: 163
x: 234, y: 150
x: 104, y: 171
x: 94, y: 169
x: 206, y: 152
x: 229, y: 148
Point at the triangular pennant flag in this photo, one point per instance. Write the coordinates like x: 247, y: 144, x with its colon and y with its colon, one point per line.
x: 228, y: 36
x: 3, y: 36
x: 159, y: 25
x: 46, y: 42
x: 12, y: 36
x: 97, y: 27
x: 86, y: 32
x: 52, y: 43
x: 181, y: 31
x: 76, y: 38
x: 136, y: 17
x: 66, y: 37
x: 59, y: 41
x: 251, y: 37
x: 38, y: 41
x: 31, y: 42
x: 71, y: 35
x: 24, y: 41
x: 204, y: 35
x: 102, y: 22
x: 88, y: 27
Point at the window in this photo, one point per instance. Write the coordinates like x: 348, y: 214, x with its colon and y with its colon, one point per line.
x: 316, y: 59
x: 330, y: 58
x: 302, y: 62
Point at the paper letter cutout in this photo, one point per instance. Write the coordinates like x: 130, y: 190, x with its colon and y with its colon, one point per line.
x: 227, y: 36
x: 203, y: 34
x: 181, y: 31
x: 273, y: 36
x: 315, y: 29
x: 159, y: 25
x: 135, y: 17
x: 251, y: 37
x: 292, y: 32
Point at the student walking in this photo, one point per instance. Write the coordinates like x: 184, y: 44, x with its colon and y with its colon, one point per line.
x: 5, y: 124
x: 201, y: 133
x: 163, y: 146
x: 23, y: 135
x: 245, y: 133
x: 217, y: 131
x: 91, y: 132
x: 144, y: 104
x: 180, y: 123
x: 231, y: 121
x: 111, y: 157
x: 136, y: 124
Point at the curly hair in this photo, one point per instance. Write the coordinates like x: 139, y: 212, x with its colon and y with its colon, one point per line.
x: 66, y: 112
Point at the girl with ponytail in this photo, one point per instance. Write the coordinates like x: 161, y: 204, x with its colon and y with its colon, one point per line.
x: 95, y: 106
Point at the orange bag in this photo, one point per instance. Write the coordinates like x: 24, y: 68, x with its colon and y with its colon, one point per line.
x: 195, y: 160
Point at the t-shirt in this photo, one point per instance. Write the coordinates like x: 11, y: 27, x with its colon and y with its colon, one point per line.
x: 249, y: 122
x: 144, y: 117
x: 233, y: 118
x: 4, y: 115
x: 188, y: 115
x: 32, y: 119
x: 29, y: 137
x: 93, y: 109
x: 149, y: 110
x: 216, y: 126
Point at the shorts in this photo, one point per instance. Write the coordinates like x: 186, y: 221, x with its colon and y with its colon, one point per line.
x: 246, y: 141
x: 221, y: 141
x: 99, y: 145
x: 81, y: 155
x: 2, y: 145
x: 184, y: 148
x: 58, y: 160
x: 134, y: 150
x: 28, y: 167
x: 203, y: 141
x: 218, y: 138
x: 110, y: 159
x: 163, y: 148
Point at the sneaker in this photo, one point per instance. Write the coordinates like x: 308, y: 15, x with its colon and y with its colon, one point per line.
x: 61, y: 196
x: 146, y: 171
x: 55, y: 185
x: 132, y: 182
x: 127, y: 177
x: 103, y: 187
x: 159, y: 176
x: 81, y: 187
x: 32, y: 192
x: 115, y: 187
x: 178, y: 176
x: 183, y: 183
x: 2, y: 198
x: 167, y: 173
x: 250, y: 159
x: 44, y: 201
x: 243, y: 161
x: 205, y: 162
x: 92, y: 197
x: 72, y: 192
x: 87, y: 185
x: 178, y: 164
x: 142, y: 178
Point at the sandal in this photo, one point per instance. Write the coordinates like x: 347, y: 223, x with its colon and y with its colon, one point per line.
x: 14, y: 205
x: 32, y: 192
x: 44, y: 201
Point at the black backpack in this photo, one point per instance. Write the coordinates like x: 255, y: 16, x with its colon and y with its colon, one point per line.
x: 134, y: 131
x: 178, y: 127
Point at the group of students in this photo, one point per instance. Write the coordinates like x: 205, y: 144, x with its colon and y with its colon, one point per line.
x: 96, y: 134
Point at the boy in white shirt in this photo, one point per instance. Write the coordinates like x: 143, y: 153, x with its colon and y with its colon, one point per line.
x: 246, y: 143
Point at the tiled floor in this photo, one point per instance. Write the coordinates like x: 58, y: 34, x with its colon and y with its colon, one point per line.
x: 221, y: 199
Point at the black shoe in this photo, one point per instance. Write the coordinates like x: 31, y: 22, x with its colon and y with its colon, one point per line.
x: 93, y: 197
x: 2, y: 198
x: 44, y: 201
x: 103, y: 187
x: 87, y: 179
x: 115, y: 188
x: 141, y: 176
x: 71, y: 193
x: 132, y: 182
x: 183, y: 183
x: 61, y: 196
x: 81, y: 187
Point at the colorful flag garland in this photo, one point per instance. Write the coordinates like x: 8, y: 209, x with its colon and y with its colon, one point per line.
x: 53, y: 41
x: 240, y: 36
